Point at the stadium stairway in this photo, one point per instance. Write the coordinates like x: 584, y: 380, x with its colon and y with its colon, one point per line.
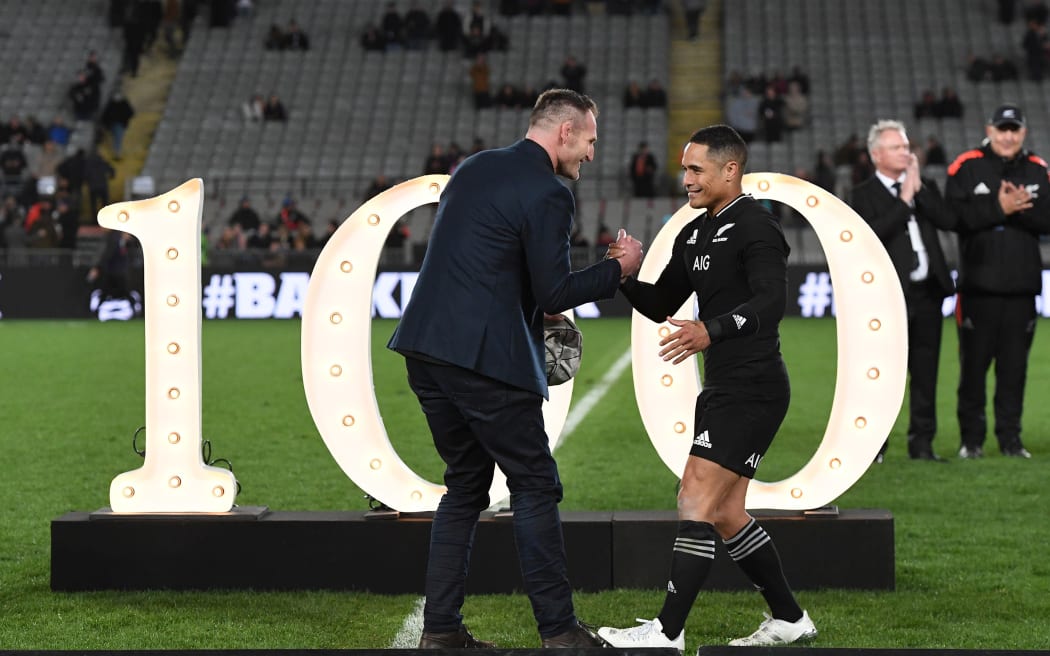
x: 695, y: 76
x: 147, y: 93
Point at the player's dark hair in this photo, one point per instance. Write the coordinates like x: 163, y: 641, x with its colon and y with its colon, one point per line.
x: 556, y: 106
x: 724, y: 144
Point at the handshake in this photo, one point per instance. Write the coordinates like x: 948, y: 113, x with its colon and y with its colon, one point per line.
x: 628, y: 251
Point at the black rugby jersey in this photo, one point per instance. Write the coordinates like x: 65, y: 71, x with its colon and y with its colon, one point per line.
x: 736, y: 263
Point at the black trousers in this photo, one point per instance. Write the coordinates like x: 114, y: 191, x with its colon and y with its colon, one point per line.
x: 925, y: 324
x: 477, y: 424
x: 997, y: 328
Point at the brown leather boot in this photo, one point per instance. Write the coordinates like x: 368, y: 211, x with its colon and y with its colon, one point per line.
x: 461, y: 639
x: 579, y: 636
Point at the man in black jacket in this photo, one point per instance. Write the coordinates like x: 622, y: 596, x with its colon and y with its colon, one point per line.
x: 1000, y: 194
x: 905, y: 211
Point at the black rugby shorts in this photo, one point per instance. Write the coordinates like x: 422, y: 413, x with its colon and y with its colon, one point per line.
x: 734, y: 427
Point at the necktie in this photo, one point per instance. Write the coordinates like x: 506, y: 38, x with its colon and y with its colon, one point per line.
x: 921, y: 262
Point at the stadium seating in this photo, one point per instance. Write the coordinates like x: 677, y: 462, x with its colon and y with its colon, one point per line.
x: 354, y: 114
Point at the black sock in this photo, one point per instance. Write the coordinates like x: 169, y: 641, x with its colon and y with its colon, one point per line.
x: 694, y: 552
x: 754, y: 552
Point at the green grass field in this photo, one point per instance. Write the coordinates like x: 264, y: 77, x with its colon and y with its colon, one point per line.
x: 971, y: 536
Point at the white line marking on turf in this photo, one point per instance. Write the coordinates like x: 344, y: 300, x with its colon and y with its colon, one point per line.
x: 581, y: 409
x: 408, y: 636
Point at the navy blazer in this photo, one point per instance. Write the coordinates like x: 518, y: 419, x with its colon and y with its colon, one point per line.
x: 498, y: 258
x: 888, y: 217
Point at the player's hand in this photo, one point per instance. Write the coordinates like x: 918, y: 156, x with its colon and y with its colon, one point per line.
x: 628, y: 251
x: 691, y: 338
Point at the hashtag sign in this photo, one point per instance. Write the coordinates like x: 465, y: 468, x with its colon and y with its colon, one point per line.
x: 814, y: 295
x: 219, y: 296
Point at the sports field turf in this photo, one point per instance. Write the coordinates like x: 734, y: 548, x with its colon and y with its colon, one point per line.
x: 971, y: 536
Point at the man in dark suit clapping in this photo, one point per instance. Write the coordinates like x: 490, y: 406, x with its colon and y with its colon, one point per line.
x: 905, y: 211
x: 472, y: 337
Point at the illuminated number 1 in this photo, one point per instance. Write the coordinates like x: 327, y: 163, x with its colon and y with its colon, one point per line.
x: 173, y: 477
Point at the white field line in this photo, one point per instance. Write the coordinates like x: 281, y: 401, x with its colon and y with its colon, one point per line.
x: 408, y: 636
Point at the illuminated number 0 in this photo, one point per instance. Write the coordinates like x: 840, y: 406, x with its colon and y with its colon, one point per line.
x: 872, y: 352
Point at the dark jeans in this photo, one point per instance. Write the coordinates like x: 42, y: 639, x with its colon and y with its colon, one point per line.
x: 477, y: 423
x: 997, y: 328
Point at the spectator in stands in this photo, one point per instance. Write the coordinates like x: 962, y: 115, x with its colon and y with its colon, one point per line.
x: 633, y: 95
x: 46, y: 162
x: 949, y: 105
x: 39, y: 226
x: 58, y: 131
x: 643, y: 172
x: 231, y: 238
x: 72, y: 170
x: 796, y: 107
x: 262, y: 237
x: 978, y: 69
x: 245, y: 216
x: 927, y: 106
x: 477, y: 145
x: 437, y: 161
x: 1036, y: 46
x: 379, y: 184
x: 393, y: 26
x: 573, y: 72
x: 798, y: 75
x: 14, y: 129
x: 295, y: 38
x: 449, y: 27
x: 372, y: 39
x: 862, y: 168
x: 290, y: 217
x: 824, y: 172
x: 92, y: 71
x: 779, y: 84
x: 245, y: 8
x: 398, y: 235
x: 480, y: 82
x: 846, y: 153
x: 134, y: 42
x: 303, y: 238
x: 477, y: 19
x: 416, y: 26
x: 474, y: 43
x: 13, y: 162
x: 12, y: 218
x: 115, y: 117
x: 329, y: 232
x: 110, y: 273
x: 693, y: 9
x: 742, y: 113
x: 1003, y: 69
x: 35, y: 132
x: 274, y: 38
x: 85, y: 98
x: 935, y: 154
x: 68, y: 219
x: 771, y: 110
x: 1007, y: 9
x: 576, y: 239
x: 507, y: 96
x: 253, y: 109
x: 274, y: 109
x: 654, y: 96
x: 605, y: 237
x: 97, y: 174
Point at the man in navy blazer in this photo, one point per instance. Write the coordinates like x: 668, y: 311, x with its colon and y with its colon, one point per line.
x: 905, y: 211
x: 472, y: 337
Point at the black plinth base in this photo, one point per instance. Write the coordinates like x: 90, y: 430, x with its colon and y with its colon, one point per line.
x: 272, y: 550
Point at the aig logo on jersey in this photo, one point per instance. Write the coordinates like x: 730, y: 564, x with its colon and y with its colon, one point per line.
x: 753, y: 460
x: 702, y: 440
x: 702, y: 263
